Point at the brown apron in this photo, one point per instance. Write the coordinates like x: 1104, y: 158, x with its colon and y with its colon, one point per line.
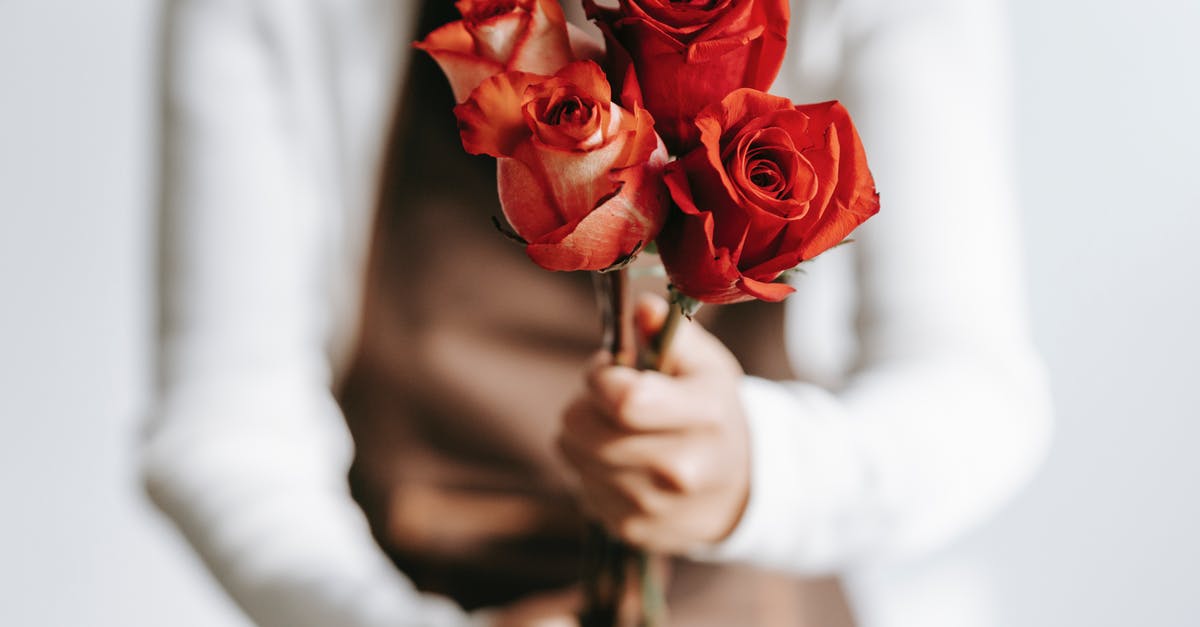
x: 467, y: 354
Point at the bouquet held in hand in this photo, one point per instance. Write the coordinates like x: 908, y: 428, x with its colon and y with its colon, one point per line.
x: 660, y: 136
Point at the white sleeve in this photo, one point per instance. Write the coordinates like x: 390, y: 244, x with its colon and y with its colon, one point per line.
x: 247, y: 451
x: 946, y: 413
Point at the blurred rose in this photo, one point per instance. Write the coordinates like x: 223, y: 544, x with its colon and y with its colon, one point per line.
x: 770, y: 185
x: 580, y: 178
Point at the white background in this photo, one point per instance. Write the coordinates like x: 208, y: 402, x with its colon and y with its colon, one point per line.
x: 1108, y: 119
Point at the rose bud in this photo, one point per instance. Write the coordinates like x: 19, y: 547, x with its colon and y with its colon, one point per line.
x: 580, y: 178
x: 497, y: 36
x: 771, y: 185
x: 678, y: 57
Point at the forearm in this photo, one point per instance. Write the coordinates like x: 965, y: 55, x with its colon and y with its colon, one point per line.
x: 246, y: 449
x: 942, y: 413
x: 900, y: 462
x: 253, y: 473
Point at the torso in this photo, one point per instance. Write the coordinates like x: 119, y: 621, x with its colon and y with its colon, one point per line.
x: 468, y: 352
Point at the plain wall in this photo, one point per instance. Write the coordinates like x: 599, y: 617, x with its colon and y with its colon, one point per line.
x: 79, y: 544
x: 1108, y: 145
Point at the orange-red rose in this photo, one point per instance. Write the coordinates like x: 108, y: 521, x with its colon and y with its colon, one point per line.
x: 497, y: 36
x: 580, y: 178
x: 680, y: 56
x: 770, y: 185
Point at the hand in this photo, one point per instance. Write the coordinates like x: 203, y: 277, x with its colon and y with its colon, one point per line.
x: 663, y: 457
x: 549, y: 609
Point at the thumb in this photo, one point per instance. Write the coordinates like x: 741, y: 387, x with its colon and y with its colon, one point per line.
x: 649, y: 314
x: 692, y: 351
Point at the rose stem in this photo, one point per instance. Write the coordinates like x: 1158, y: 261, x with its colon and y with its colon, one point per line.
x: 653, y: 600
x: 623, y: 351
x: 606, y: 583
x: 605, y: 557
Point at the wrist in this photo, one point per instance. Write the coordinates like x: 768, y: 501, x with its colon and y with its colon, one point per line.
x: 803, y: 472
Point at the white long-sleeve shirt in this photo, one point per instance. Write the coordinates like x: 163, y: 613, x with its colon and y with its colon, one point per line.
x: 923, y: 404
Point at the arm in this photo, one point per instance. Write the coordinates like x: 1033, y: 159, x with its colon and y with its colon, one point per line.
x: 247, y: 450
x: 946, y: 413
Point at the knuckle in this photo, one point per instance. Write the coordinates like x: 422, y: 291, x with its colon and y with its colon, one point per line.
x: 626, y: 487
x: 629, y: 528
x: 709, y: 408
x: 608, y: 453
x: 681, y: 474
x: 628, y: 407
x: 646, y: 398
x: 644, y: 501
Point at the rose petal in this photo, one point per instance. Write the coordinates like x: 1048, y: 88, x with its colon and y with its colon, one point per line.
x: 497, y: 37
x: 694, y: 266
x: 645, y: 141
x: 735, y: 17
x: 767, y: 59
x: 735, y: 232
x: 526, y: 201
x: 568, y: 120
x: 685, y: 21
x: 452, y: 47
x: 771, y: 292
x: 491, y: 121
x: 585, y: 81
x: 686, y: 56
x: 854, y: 199
x: 710, y: 50
x: 589, y: 78
x: 575, y: 180
x: 616, y: 228
x: 545, y: 46
x: 783, y: 254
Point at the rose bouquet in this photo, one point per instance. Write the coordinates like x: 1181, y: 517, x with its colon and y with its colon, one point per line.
x: 660, y: 137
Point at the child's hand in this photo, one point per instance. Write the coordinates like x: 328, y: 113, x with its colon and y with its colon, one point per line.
x: 663, y: 458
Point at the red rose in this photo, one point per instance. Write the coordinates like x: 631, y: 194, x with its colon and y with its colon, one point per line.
x: 679, y: 57
x: 580, y: 178
x: 770, y: 185
x: 497, y: 36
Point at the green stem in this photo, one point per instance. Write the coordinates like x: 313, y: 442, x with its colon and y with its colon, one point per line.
x: 609, y: 563
x: 654, y: 602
